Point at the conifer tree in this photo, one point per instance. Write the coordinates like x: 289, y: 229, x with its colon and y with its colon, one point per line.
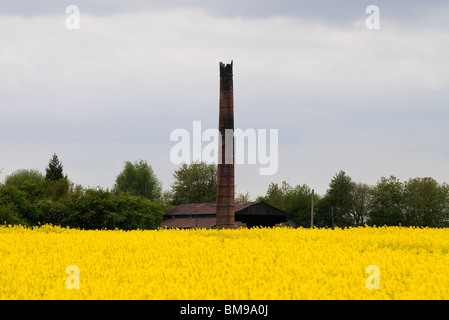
x: 54, y: 170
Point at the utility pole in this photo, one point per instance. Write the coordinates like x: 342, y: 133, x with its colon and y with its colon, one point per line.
x: 311, y: 211
x: 332, y: 216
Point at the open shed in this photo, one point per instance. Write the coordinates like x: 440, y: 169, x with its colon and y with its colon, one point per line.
x: 247, y: 214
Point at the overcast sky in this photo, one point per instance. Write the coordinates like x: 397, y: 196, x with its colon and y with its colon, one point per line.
x: 343, y: 97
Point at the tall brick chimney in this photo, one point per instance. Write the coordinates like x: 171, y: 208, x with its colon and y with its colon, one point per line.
x: 225, y: 183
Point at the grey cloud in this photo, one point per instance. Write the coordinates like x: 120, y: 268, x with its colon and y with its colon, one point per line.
x: 373, y: 103
x: 326, y: 10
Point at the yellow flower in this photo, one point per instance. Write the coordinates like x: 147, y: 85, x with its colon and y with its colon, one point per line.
x: 258, y: 263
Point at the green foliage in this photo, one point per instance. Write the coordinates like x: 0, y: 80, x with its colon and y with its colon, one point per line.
x: 340, y: 189
x: 136, y: 202
x: 21, y: 176
x: 337, y: 206
x: 297, y: 201
x: 387, y: 206
x: 167, y: 198
x: 27, y: 198
x: 28, y: 181
x: 195, y: 183
x: 9, y: 215
x: 54, y: 171
x: 99, y: 209
x: 132, y: 212
x: 86, y: 209
x: 36, y: 187
x: 425, y: 203
x: 417, y: 202
x: 15, y: 208
x: 324, y: 213
x: 242, y: 197
x: 54, y: 212
x: 139, y: 179
x: 362, y: 195
x: 276, y: 195
x: 55, y: 189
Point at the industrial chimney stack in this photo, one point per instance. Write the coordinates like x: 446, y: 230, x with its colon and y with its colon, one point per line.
x: 225, y: 183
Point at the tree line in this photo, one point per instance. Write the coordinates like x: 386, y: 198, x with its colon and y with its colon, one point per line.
x: 420, y: 202
x: 30, y: 198
x: 137, y: 200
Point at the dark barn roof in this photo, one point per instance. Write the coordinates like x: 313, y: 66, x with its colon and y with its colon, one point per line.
x: 199, y: 222
x: 203, y: 208
x: 246, y: 214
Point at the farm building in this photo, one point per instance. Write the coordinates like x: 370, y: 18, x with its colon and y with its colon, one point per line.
x: 247, y: 214
x: 225, y: 213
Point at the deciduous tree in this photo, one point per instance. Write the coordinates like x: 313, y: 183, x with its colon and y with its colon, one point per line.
x: 426, y: 203
x: 195, y: 183
x: 341, y: 200
x: 139, y: 179
x: 387, y: 205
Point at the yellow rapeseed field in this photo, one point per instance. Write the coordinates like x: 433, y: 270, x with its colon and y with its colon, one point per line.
x: 261, y: 263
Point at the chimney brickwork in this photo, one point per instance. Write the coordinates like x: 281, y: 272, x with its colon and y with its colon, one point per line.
x: 225, y: 183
